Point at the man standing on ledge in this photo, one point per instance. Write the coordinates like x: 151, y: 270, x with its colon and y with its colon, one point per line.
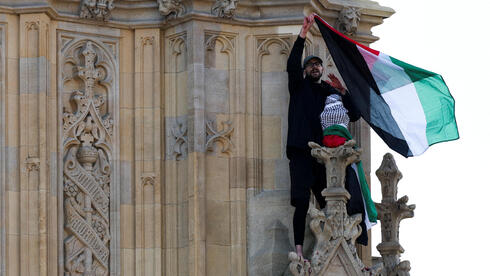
x: 307, y: 99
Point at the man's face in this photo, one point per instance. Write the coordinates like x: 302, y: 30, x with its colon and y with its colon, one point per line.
x: 314, y: 69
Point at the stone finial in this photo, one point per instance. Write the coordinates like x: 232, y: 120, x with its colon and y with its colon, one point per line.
x: 96, y: 9
x: 171, y: 8
x: 224, y: 8
x: 390, y: 212
x: 348, y: 20
x: 334, y: 230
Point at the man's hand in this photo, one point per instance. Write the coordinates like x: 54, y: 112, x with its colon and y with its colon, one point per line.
x: 335, y: 83
x: 307, y: 23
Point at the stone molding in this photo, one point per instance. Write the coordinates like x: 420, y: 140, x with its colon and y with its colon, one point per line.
x: 2, y: 151
x: 167, y: 13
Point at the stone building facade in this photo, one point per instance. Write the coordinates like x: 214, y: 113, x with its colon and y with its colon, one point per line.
x: 147, y: 137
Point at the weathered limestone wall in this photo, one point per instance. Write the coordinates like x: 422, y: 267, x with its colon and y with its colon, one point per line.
x: 152, y: 143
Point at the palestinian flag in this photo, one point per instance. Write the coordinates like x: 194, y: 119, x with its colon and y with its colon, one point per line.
x: 410, y: 108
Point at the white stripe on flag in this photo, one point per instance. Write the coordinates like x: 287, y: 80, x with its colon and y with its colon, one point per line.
x: 407, y: 111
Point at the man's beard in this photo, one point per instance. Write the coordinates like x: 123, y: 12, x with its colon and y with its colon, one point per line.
x: 314, y: 78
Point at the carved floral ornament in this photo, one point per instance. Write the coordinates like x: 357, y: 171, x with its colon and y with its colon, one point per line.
x: 224, y: 8
x: 96, y: 9
x: 87, y: 143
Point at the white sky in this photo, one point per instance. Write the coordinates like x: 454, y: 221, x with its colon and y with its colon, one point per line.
x: 449, y: 183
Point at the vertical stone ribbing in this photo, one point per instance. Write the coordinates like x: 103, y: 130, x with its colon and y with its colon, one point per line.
x: 2, y: 149
x: 52, y: 126
x: 34, y: 81
x: 148, y: 151
x: 176, y: 191
x: 127, y: 113
x: 197, y: 158
x: 12, y: 139
x: 219, y: 104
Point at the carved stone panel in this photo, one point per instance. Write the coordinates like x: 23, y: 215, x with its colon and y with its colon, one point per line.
x: 224, y: 8
x: 218, y: 139
x: 96, y: 9
x: 177, y: 138
x: 171, y: 8
x: 271, y: 99
x: 88, y: 73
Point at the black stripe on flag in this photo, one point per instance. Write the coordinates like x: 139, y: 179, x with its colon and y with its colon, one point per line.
x: 362, y: 86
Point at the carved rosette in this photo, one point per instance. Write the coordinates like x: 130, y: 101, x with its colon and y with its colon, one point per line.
x: 224, y: 8
x: 96, y: 9
x: 348, y: 20
x: 87, y: 142
x: 171, y: 9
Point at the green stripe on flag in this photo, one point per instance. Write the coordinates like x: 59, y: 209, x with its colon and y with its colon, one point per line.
x: 437, y: 102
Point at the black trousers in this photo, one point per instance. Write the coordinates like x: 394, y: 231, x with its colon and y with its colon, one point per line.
x: 307, y: 174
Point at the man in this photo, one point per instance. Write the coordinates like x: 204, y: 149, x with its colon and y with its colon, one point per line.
x: 307, y: 100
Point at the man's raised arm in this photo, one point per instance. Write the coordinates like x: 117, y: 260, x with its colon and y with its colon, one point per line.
x: 294, y: 68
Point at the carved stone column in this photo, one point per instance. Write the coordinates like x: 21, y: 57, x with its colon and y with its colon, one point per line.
x: 391, y: 211
x: 335, y: 231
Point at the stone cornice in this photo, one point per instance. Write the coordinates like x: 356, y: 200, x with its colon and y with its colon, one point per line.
x: 145, y: 14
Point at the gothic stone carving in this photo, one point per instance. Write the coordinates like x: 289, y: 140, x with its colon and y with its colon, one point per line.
x: 171, y: 8
x: 348, y: 20
x: 32, y: 164
x: 224, y: 8
x: 179, y: 139
x: 335, y: 231
x: 391, y: 211
x: 96, y: 9
x: 215, y: 136
x: 87, y: 142
x: 148, y: 179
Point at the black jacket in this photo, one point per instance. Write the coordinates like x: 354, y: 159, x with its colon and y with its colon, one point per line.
x: 306, y: 104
